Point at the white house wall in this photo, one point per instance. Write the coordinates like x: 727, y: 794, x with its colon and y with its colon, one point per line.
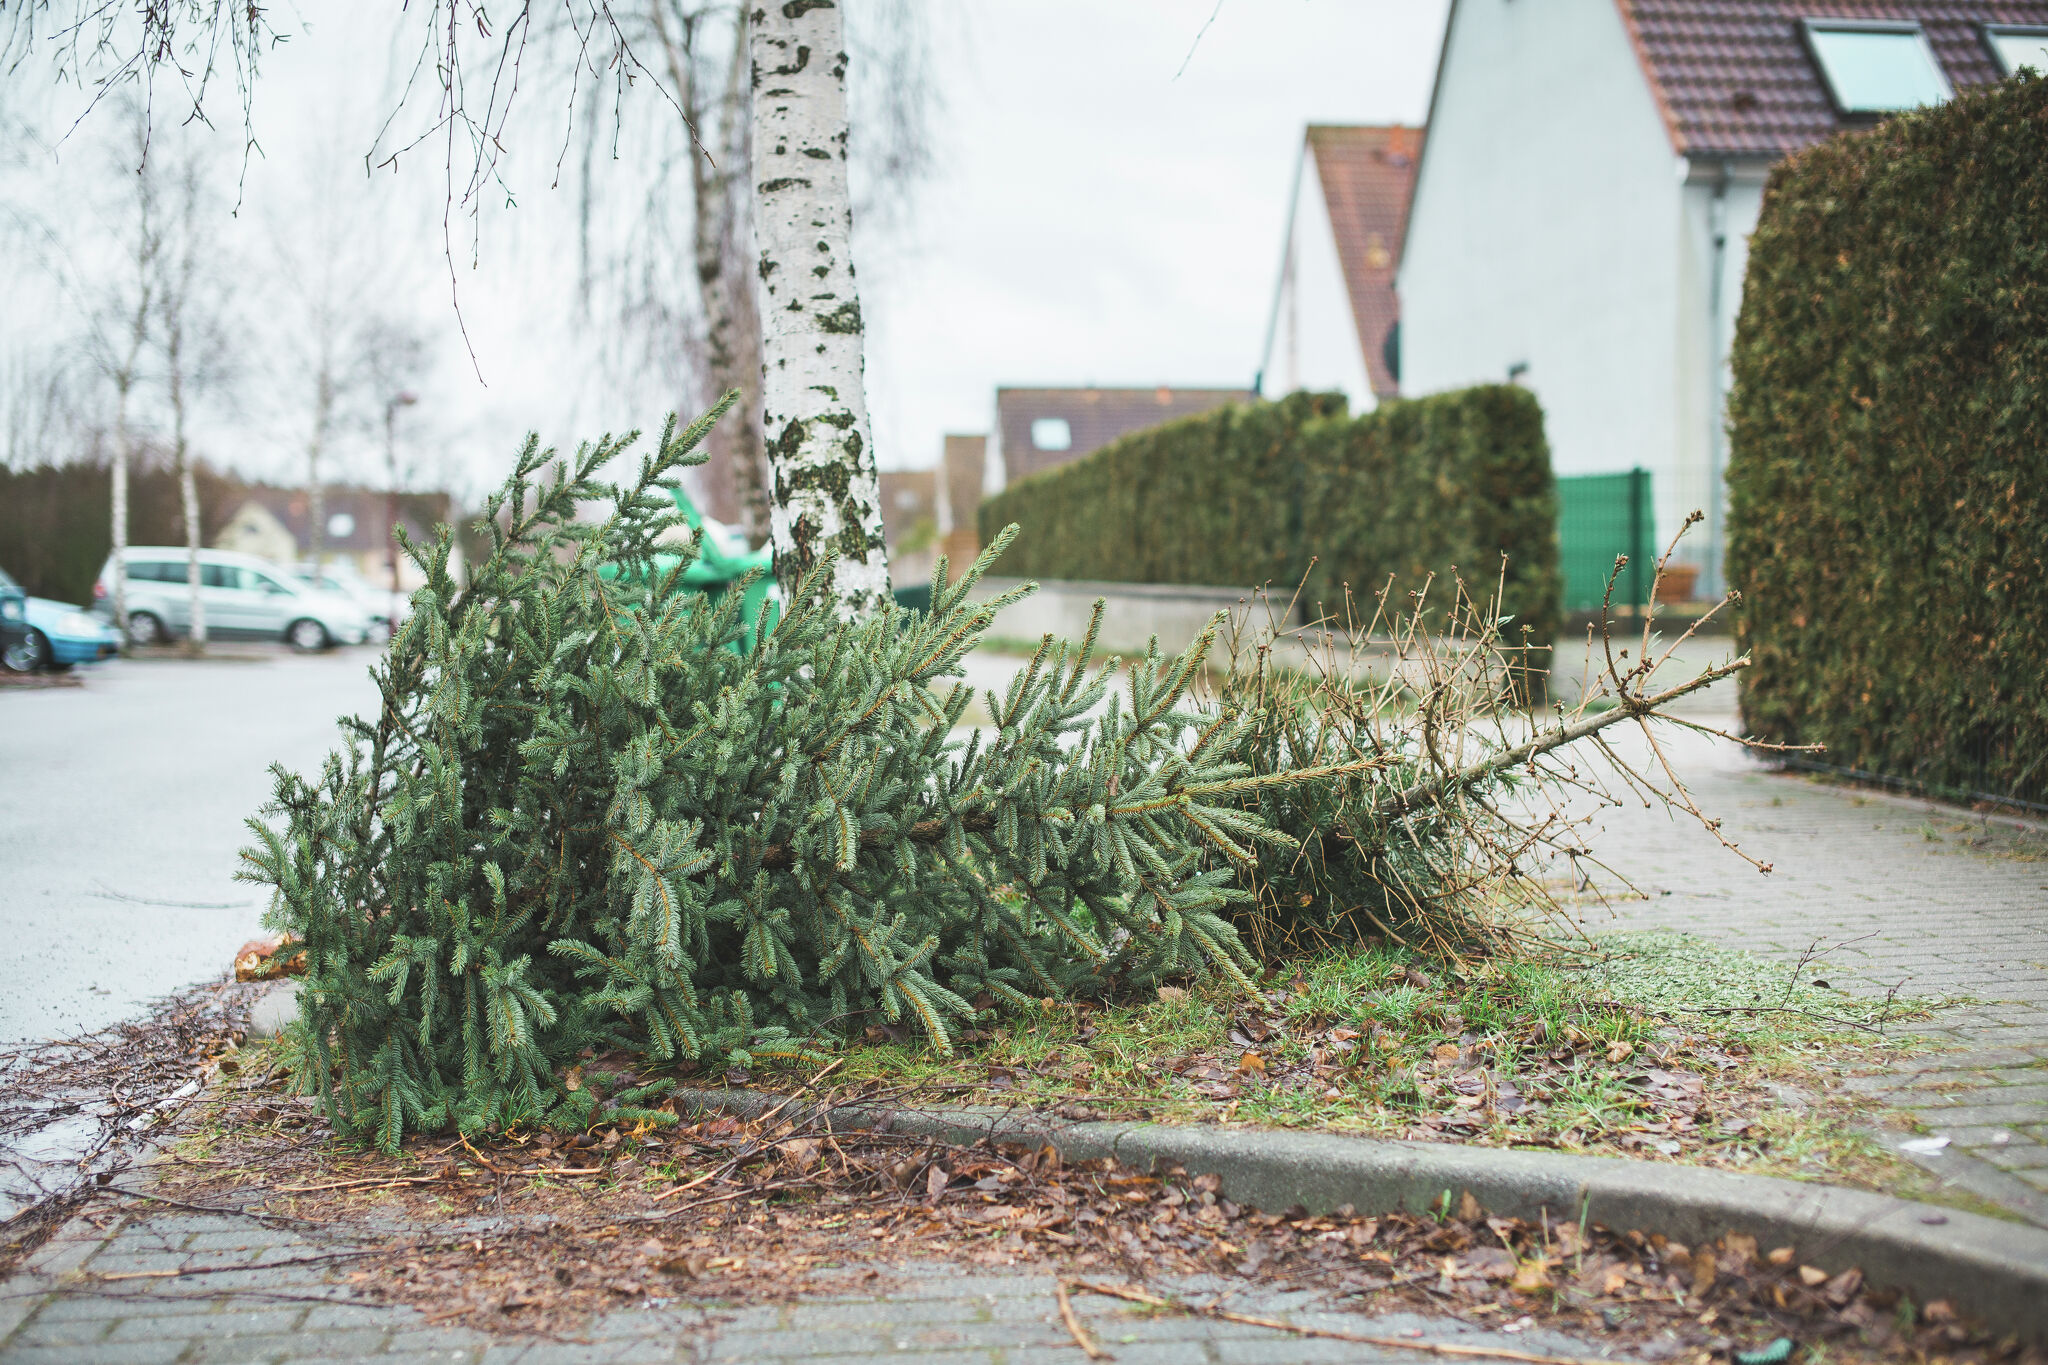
x: 1315, y: 343
x: 1545, y: 231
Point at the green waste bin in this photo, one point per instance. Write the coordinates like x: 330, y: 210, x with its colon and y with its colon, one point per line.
x: 1601, y: 516
x: 722, y: 561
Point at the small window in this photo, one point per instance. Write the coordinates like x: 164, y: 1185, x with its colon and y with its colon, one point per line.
x: 2018, y: 47
x: 1052, y: 433
x: 341, y: 526
x: 157, y: 571
x: 1876, y: 68
x: 219, y: 576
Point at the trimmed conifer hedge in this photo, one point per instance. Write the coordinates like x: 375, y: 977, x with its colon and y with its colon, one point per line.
x: 1249, y: 494
x: 1888, y: 475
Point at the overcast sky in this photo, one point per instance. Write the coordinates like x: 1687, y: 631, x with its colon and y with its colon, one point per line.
x: 1092, y: 218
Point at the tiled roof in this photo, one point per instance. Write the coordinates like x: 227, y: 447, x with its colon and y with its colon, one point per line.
x: 1094, y: 417
x: 1733, y: 77
x: 1368, y: 177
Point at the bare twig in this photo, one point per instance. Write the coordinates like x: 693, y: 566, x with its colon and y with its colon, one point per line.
x: 1074, y: 1328
x: 1440, y: 1348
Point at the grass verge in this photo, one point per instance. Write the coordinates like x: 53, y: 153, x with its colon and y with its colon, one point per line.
x: 1653, y: 1045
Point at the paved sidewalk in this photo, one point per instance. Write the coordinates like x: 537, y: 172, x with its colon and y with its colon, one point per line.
x: 258, y: 1308
x: 1897, y: 892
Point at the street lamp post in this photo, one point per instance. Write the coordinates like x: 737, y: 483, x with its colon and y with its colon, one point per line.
x: 398, y: 400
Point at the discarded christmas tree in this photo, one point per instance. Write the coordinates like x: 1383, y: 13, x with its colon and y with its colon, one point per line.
x: 580, y: 822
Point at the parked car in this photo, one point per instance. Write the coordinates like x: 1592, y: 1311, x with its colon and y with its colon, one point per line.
x: 14, y: 627
x: 385, y: 608
x: 60, y: 635
x: 245, y: 598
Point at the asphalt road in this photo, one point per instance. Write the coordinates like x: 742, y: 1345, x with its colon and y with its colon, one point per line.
x: 121, y: 810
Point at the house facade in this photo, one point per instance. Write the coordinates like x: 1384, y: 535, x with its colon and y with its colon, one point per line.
x: 1592, y: 172
x: 1334, y: 323
x: 1039, y: 429
x: 274, y: 523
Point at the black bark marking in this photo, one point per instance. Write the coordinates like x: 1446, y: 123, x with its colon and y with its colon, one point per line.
x: 843, y: 320
x: 787, y: 182
x: 797, y: 9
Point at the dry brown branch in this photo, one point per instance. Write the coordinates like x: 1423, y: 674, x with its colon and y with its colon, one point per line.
x: 1474, y: 791
x: 1074, y: 1328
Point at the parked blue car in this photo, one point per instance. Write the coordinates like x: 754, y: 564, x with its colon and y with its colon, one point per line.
x: 13, y: 623
x: 59, y: 635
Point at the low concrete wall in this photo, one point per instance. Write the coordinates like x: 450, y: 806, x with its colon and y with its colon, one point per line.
x: 1133, y: 612
x: 1176, y: 613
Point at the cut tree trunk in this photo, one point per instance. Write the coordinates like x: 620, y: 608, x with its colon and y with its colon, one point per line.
x: 826, y: 494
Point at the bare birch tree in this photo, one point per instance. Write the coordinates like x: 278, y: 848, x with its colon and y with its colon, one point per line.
x: 192, y: 345
x: 121, y: 361
x: 827, y: 493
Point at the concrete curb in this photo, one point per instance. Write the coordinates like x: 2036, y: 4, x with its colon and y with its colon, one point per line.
x: 1989, y: 1269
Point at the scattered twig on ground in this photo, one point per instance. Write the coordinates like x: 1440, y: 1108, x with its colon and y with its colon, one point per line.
x: 1074, y: 1328
x: 1440, y: 1348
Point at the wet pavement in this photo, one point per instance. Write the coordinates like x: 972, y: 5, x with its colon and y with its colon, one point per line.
x: 121, y: 809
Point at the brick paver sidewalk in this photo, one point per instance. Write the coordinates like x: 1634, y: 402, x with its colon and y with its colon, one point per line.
x: 249, y: 1305
x: 1899, y: 891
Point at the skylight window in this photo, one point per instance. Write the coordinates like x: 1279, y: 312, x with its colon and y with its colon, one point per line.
x: 2018, y: 47
x: 1052, y: 433
x: 1876, y: 68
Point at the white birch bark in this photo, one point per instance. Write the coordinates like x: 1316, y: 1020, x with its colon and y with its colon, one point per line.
x: 188, y: 489
x: 125, y: 371
x: 174, y: 305
x: 826, y: 494
x: 124, y: 381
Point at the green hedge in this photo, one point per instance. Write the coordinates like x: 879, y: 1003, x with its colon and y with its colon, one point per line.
x: 1888, y: 472
x: 1249, y: 494
x: 56, y: 527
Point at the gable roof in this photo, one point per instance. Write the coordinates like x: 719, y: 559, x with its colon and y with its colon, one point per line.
x: 1733, y: 77
x: 1368, y: 178
x: 1094, y: 418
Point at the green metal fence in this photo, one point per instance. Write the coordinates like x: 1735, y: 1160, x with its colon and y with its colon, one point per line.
x: 1601, y: 516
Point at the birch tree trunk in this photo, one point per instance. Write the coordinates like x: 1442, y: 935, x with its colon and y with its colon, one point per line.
x: 827, y: 497
x: 188, y: 488
x: 175, y: 297
x: 316, y: 492
x: 125, y: 373
x: 122, y: 384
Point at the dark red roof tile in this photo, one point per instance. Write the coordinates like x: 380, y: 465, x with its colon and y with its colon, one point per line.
x: 1368, y: 177
x: 1094, y: 418
x: 1733, y: 77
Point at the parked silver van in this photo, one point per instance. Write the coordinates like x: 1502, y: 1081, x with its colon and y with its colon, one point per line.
x: 244, y: 597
